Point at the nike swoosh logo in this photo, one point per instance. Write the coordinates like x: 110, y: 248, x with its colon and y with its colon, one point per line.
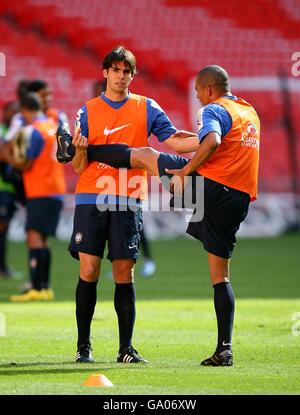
x: 64, y: 151
x: 113, y: 130
x: 226, y: 344
x: 244, y: 112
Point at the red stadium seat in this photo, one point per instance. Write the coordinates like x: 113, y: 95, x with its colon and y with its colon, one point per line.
x: 178, y: 38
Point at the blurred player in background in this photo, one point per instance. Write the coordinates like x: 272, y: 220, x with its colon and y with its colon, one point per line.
x: 149, y: 266
x: 227, y: 158
x: 44, y: 188
x: 115, y: 116
x: 17, y: 121
x: 44, y: 91
x: 7, y: 190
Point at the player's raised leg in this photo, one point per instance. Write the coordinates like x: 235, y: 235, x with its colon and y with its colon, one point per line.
x: 145, y: 158
x: 116, y: 155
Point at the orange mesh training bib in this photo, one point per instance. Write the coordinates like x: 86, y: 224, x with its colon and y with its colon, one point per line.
x: 235, y: 162
x: 107, y: 125
x: 45, y: 178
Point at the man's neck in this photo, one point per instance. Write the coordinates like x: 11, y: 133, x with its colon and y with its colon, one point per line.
x: 227, y: 93
x: 116, y: 96
x: 218, y: 96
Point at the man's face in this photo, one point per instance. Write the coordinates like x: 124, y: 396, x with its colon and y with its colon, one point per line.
x: 203, y: 93
x: 46, y: 97
x: 118, y: 77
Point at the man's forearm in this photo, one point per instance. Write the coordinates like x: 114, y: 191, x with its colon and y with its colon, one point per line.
x: 80, y: 161
x: 198, y: 160
x: 186, y: 144
x: 183, y: 141
x: 204, y: 152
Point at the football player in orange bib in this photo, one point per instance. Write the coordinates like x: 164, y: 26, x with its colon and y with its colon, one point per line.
x: 108, y: 202
x: 226, y: 159
x: 45, y: 187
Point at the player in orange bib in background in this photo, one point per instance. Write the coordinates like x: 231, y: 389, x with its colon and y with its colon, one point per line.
x: 226, y: 159
x: 44, y: 189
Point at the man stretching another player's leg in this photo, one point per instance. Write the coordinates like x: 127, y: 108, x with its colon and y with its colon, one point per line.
x: 229, y: 137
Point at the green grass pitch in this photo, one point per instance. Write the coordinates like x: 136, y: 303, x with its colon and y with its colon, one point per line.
x: 175, y: 326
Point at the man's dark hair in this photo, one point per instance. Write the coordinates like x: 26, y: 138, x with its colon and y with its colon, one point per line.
x: 22, y: 88
x: 31, y: 102
x: 120, y: 54
x: 36, y: 85
x: 216, y: 76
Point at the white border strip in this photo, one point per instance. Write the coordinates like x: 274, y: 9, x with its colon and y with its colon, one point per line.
x: 262, y: 84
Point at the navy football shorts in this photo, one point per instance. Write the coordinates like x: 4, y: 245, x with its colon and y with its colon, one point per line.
x: 43, y: 214
x: 92, y: 228
x: 7, y: 205
x: 225, y: 209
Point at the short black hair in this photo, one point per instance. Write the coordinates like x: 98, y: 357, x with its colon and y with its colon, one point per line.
x: 36, y: 85
x: 120, y: 54
x: 31, y: 102
x: 214, y: 75
x: 22, y: 88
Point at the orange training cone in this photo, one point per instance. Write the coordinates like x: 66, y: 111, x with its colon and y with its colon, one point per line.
x: 98, y: 380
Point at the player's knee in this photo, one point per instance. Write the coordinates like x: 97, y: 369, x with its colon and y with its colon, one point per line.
x: 149, y: 153
x: 34, y: 239
x: 218, y: 277
x: 141, y: 157
x: 123, y: 279
x: 89, y: 272
x: 123, y: 275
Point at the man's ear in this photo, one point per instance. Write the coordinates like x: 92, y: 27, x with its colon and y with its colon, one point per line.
x: 105, y: 73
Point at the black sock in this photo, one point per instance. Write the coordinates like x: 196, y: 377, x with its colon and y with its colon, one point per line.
x: 47, y: 263
x: 36, y: 267
x: 3, y: 265
x: 86, y: 297
x: 125, y: 308
x: 224, y: 307
x: 116, y: 155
